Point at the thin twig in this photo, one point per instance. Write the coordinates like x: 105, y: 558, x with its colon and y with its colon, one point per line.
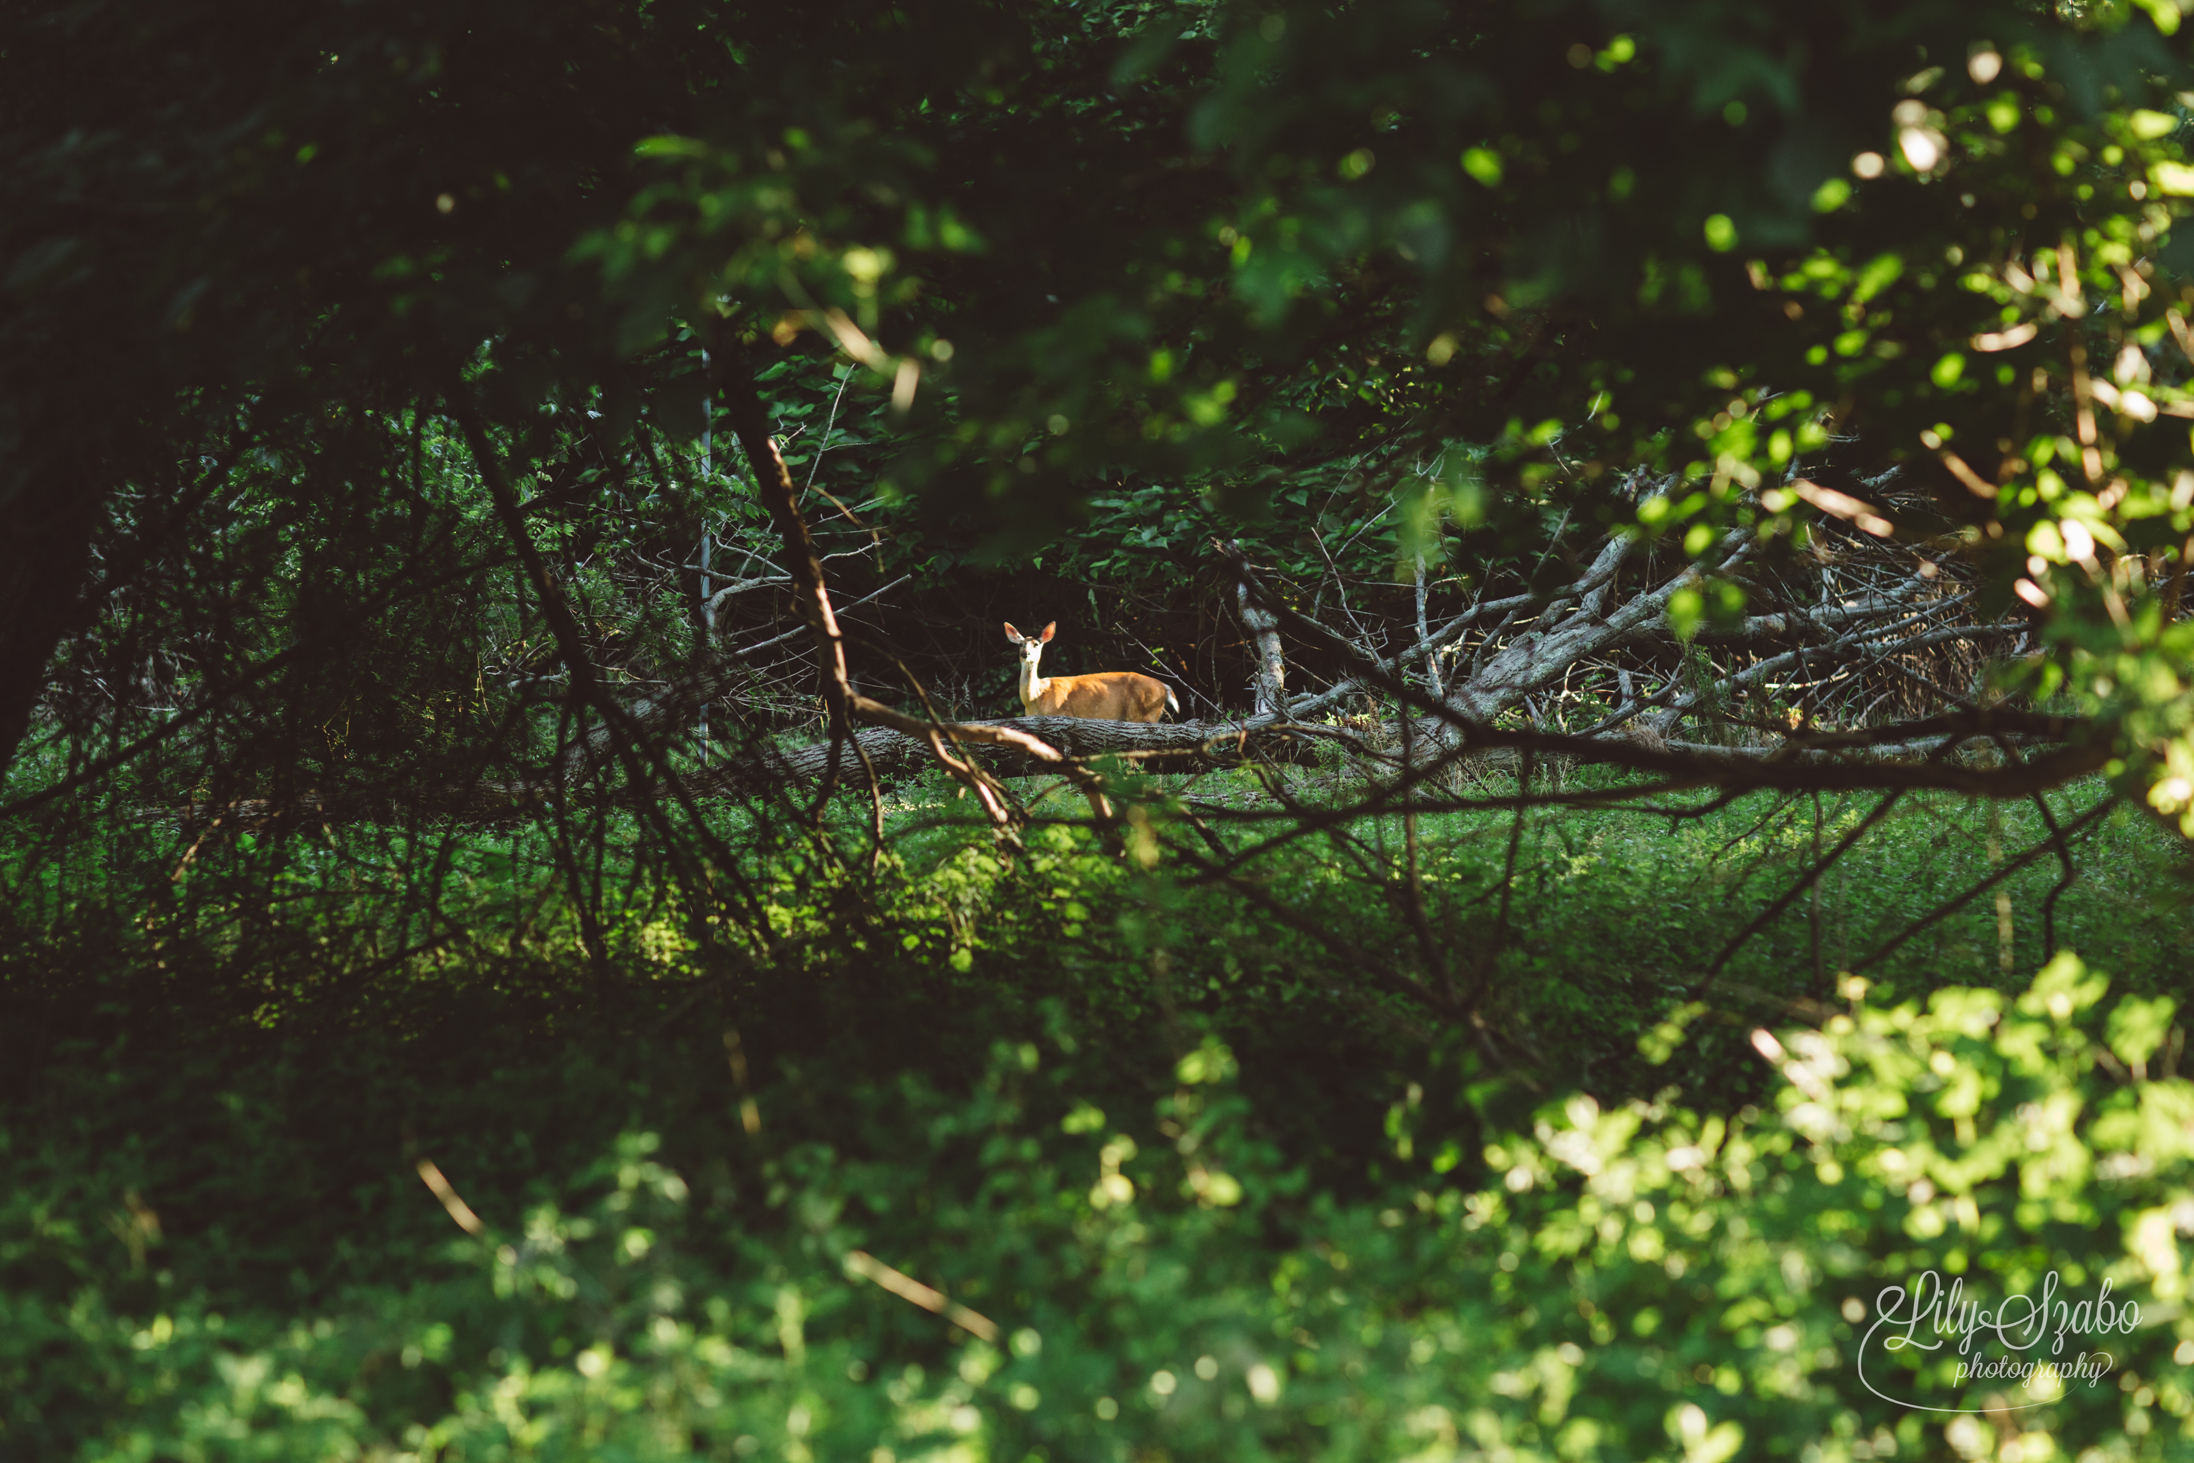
x: 2013, y: 866
x: 1768, y: 915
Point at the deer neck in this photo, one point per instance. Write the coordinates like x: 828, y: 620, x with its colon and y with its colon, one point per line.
x: 1032, y: 684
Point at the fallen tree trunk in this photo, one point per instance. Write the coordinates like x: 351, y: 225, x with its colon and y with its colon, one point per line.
x: 1171, y: 747
x: 895, y: 755
x: 1912, y: 755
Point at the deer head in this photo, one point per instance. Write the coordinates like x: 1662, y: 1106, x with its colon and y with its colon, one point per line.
x: 1032, y: 646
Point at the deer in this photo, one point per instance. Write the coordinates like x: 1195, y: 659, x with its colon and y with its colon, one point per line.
x: 1105, y: 696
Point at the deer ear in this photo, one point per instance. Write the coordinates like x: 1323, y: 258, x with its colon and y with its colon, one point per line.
x: 1046, y: 636
x: 1011, y: 633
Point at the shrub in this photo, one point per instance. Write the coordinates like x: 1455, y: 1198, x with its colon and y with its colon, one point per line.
x: 1637, y: 1282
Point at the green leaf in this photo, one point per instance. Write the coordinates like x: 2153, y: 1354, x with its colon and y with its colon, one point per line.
x: 1484, y: 164
x: 668, y: 145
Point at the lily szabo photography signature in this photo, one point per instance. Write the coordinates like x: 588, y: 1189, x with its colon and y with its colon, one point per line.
x: 2038, y: 1340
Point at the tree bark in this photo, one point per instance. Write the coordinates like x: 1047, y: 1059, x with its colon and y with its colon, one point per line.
x: 1270, y: 673
x: 1158, y: 747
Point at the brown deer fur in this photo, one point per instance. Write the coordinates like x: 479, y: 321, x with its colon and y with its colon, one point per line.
x: 1105, y: 696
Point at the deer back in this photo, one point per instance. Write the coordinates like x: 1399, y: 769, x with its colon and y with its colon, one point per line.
x: 1104, y: 696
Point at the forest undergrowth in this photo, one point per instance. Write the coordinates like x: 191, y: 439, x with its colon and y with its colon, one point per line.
x: 285, y: 1171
